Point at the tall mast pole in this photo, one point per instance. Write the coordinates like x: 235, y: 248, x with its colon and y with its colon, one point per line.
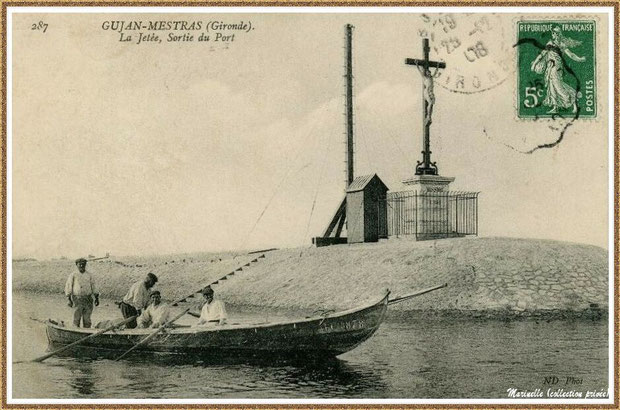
x: 349, y: 101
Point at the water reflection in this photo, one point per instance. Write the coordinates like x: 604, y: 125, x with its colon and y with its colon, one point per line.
x: 82, y: 377
x: 163, y: 375
x: 332, y: 378
x: 412, y: 358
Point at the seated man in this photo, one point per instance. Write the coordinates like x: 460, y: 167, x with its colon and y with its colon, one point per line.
x: 213, y: 311
x: 156, y: 314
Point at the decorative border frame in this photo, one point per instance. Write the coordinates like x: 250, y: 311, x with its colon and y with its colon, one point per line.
x: 615, y: 4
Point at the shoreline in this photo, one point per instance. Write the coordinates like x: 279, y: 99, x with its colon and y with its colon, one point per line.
x: 488, y: 278
x: 591, y: 314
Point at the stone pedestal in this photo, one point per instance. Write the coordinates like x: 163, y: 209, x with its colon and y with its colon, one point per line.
x: 433, y: 214
x: 428, y: 183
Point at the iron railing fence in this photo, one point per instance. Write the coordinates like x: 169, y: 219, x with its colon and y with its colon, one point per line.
x: 430, y: 215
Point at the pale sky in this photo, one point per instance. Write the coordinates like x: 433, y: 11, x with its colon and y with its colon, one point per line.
x: 166, y: 148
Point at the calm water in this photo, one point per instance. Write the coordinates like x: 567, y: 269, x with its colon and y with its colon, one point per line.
x: 411, y: 358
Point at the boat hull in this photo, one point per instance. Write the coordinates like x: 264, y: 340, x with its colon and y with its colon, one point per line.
x: 330, y: 335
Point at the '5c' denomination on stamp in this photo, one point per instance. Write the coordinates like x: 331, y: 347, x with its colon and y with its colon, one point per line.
x: 556, y: 69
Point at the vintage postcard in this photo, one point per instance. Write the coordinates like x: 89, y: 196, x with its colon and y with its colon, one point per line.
x: 309, y: 205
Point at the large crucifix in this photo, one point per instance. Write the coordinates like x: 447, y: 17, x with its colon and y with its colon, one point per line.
x: 426, y: 167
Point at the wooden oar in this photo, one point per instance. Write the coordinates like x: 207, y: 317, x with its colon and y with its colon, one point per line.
x: 152, y: 335
x: 62, y: 349
x: 421, y: 292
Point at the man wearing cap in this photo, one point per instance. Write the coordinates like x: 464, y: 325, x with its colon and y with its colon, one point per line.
x: 156, y: 314
x: 80, y: 290
x: 213, y: 311
x: 137, y: 299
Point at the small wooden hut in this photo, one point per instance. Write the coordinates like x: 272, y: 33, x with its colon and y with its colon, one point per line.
x: 366, y: 210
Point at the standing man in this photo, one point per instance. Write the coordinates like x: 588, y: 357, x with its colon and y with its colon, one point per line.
x: 213, y: 311
x: 137, y: 299
x: 80, y: 290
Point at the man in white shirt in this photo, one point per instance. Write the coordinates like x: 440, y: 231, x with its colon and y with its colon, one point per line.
x: 80, y: 290
x: 213, y: 311
x: 137, y: 299
x: 156, y: 314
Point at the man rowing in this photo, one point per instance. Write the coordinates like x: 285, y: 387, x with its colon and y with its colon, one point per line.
x: 156, y: 314
x: 137, y: 299
x: 213, y: 312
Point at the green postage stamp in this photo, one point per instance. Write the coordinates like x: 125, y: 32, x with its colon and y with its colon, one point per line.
x: 556, y: 69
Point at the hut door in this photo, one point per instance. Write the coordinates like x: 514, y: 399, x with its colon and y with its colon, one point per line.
x: 382, y: 217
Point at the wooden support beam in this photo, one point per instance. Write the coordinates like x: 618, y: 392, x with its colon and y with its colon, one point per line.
x: 343, y: 218
x: 341, y: 212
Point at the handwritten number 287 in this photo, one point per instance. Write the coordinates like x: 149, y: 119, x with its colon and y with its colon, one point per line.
x: 40, y: 26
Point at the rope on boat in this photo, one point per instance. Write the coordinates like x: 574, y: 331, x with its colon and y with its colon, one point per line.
x: 318, y: 184
x: 285, y: 176
x: 225, y: 277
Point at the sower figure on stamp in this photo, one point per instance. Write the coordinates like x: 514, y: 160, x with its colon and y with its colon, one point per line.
x: 80, y: 290
x: 550, y: 63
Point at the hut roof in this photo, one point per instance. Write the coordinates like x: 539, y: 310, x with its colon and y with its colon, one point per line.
x: 360, y: 183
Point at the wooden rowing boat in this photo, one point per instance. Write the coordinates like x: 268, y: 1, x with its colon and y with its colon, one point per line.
x: 327, y: 336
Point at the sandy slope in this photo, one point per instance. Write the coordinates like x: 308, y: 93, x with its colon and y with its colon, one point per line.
x: 483, y: 274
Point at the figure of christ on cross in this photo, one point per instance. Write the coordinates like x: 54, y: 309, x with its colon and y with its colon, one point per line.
x: 424, y: 66
x: 427, y: 93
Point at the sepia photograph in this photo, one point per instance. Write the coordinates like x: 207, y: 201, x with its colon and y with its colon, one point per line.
x: 309, y: 205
